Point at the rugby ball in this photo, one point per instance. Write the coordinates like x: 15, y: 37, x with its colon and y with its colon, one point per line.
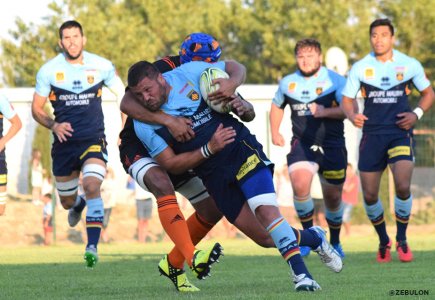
x: 206, y: 87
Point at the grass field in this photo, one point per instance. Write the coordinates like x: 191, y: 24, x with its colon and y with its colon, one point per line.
x: 129, y: 271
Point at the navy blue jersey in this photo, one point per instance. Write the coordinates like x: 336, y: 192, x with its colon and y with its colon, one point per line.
x: 385, y: 87
x: 75, y: 90
x: 299, y: 92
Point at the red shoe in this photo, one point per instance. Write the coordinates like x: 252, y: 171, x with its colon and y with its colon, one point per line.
x: 403, y: 251
x: 384, y: 253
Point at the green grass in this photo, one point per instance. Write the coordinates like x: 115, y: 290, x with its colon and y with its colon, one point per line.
x: 129, y: 271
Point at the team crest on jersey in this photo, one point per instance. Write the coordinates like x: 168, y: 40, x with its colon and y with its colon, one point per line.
x: 60, y: 77
x: 399, y: 76
x: 319, y: 90
x: 91, y: 79
x: 100, y: 92
x: 369, y: 73
x: 291, y: 87
x: 193, y: 95
x: 90, y: 76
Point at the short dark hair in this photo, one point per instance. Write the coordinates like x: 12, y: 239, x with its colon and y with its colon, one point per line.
x: 70, y: 24
x: 308, y: 43
x: 139, y: 71
x: 382, y: 22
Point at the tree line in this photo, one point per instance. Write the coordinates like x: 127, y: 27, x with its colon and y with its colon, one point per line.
x: 261, y: 34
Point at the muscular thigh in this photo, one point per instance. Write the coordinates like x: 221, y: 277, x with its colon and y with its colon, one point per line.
x: 131, y: 151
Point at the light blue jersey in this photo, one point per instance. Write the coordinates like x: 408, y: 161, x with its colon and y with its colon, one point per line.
x: 385, y: 86
x: 299, y: 93
x: 75, y: 90
x: 8, y: 112
x: 183, y: 100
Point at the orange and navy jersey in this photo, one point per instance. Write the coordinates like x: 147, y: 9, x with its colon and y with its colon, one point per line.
x: 75, y: 91
x: 385, y: 87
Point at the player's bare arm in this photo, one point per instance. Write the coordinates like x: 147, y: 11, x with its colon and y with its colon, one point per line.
x: 62, y: 130
x: 407, y: 120
x: 180, y: 163
x: 319, y: 111
x: 13, y: 130
x: 180, y: 128
x: 275, y: 116
x: 242, y: 108
x: 350, y: 110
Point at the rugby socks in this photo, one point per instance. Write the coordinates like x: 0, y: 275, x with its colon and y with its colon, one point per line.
x: 307, y: 238
x: 198, y: 229
x: 80, y: 204
x: 375, y: 212
x: 334, y: 220
x: 285, y: 241
x: 304, y: 207
x: 402, y: 209
x: 94, y: 221
x: 175, y: 225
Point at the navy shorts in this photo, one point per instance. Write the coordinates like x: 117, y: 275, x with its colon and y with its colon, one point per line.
x: 223, y: 184
x: 3, y: 172
x: 378, y: 150
x: 332, y: 161
x: 69, y: 156
x: 130, y: 151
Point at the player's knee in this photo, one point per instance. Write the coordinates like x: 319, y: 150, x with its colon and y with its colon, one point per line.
x: 370, y: 199
x: 263, y: 204
x: 93, y: 176
x: 2, y: 209
x: 91, y: 188
x: 67, y: 192
x: 67, y: 202
x: 403, y: 190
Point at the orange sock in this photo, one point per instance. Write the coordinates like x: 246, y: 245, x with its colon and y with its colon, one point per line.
x: 198, y: 229
x: 175, y: 225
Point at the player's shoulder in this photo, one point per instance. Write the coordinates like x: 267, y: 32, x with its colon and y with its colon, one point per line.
x: 403, y: 58
x: 289, y: 78
x: 3, y: 99
x: 53, y: 63
x: 167, y: 63
x: 332, y: 74
x: 95, y: 59
x: 363, y: 62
